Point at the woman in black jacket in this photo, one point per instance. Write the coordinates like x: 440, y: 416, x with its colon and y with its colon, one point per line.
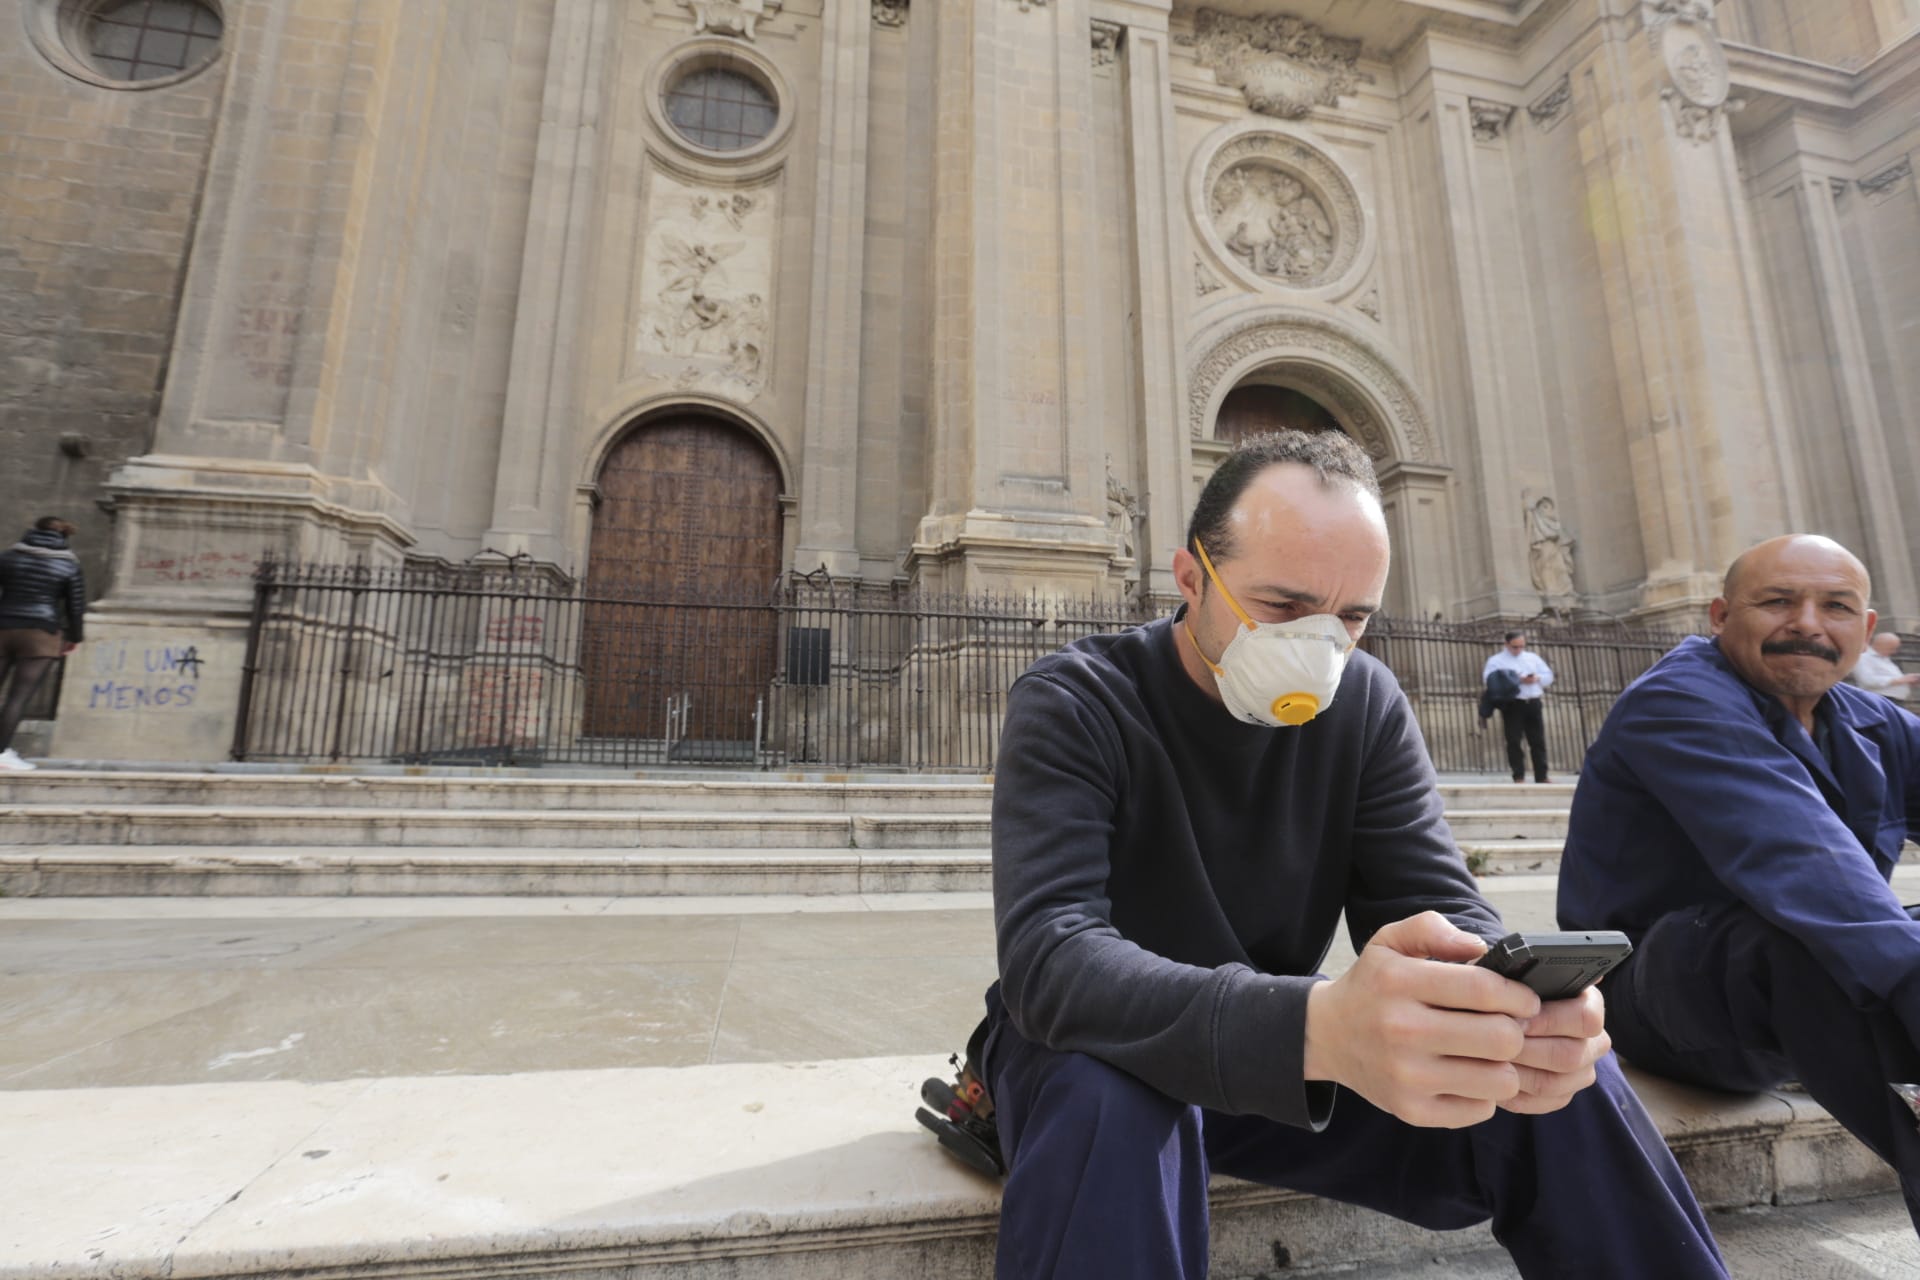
x: 40, y: 582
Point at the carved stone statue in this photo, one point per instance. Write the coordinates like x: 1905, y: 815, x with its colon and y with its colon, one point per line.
x: 1549, y: 551
x: 1123, y: 515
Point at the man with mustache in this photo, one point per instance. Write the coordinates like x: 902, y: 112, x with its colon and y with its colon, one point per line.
x: 1739, y: 816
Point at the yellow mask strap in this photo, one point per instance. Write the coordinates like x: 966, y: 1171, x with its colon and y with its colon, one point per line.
x: 1232, y: 604
x: 1211, y: 666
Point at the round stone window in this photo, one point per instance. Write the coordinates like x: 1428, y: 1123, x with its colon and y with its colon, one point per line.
x: 720, y: 108
x: 128, y: 44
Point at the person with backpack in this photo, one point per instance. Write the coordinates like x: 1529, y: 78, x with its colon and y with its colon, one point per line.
x: 42, y: 598
x: 1516, y: 684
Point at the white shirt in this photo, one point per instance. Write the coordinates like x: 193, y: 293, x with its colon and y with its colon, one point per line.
x: 1877, y: 674
x: 1527, y: 663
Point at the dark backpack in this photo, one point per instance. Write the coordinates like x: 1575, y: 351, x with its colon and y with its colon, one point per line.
x: 1502, y: 685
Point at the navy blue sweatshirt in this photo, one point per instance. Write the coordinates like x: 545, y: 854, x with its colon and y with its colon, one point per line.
x: 1167, y: 879
x: 1700, y: 790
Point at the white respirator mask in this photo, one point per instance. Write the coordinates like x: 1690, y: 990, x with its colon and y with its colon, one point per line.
x: 1277, y: 673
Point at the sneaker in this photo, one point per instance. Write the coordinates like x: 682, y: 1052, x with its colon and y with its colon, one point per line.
x: 10, y: 762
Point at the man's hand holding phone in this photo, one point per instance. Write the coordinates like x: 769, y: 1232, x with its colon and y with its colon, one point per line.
x: 1443, y: 1045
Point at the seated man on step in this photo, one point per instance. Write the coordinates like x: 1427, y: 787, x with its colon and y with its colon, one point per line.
x: 1739, y: 817
x: 1180, y: 815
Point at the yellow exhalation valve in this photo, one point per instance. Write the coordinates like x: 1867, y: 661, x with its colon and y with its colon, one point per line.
x: 1295, y: 708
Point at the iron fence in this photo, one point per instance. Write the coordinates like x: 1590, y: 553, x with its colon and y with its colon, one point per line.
x: 511, y: 666
x: 1438, y: 664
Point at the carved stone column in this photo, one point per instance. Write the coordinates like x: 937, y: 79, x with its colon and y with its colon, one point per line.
x: 829, y: 474
x: 1017, y: 497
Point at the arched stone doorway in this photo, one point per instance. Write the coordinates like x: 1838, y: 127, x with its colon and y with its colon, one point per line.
x: 1261, y: 367
x: 1257, y: 408
x: 685, y: 548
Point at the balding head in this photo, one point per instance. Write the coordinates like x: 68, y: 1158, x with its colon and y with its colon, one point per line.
x: 1886, y: 644
x: 1791, y: 549
x: 1793, y: 618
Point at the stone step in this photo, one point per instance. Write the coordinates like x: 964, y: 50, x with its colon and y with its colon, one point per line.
x: 745, y: 828
x: 576, y: 795
x: 91, y: 871
x: 258, y: 827
x: 621, y: 793
x: 1487, y: 825
x: 744, y: 1171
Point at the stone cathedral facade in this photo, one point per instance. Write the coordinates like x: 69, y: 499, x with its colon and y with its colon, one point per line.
x: 968, y: 294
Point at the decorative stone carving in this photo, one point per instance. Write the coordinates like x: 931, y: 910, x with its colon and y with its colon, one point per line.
x: 1204, y: 281
x: 1840, y: 187
x: 1489, y: 119
x: 1696, y: 66
x: 706, y: 274
x: 1321, y: 355
x: 1278, y: 212
x: 1124, y: 513
x: 890, y: 13
x: 1882, y: 185
x: 1659, y: 14
x: 1369, y: 306
x: 1106, y: 42
x: 1027, y: 6
x: 1549, y: 551
x: 1285, y: 66
x: 1551, y: 108
x: 733, y: 17
x: 1272, y: 223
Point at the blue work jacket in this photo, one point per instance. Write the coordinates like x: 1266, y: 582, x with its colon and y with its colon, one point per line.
x: 1701, y: 790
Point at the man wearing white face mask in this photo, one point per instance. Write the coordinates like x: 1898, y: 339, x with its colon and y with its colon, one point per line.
x: 1181, y: 814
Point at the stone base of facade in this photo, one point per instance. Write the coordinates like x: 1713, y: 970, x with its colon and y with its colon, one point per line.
x: 986, y: 551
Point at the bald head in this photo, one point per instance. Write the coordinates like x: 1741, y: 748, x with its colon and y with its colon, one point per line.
x: 1792, y: 550
x: 1792, y: 618
x: 1886, y: 644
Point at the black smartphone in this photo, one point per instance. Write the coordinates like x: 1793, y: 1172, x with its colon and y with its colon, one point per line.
x: 1556, y: 965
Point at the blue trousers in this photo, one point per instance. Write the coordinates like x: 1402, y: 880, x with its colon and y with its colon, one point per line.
x: 1716, y: 996
x: 1107, y: 1177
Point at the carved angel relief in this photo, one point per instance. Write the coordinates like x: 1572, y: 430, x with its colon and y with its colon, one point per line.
x: 1272, y: 223
x: 704, y: 283
x: 1285, y: 66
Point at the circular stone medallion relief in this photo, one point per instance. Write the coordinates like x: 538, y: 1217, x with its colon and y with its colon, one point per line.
x: 1697, y: 64
x: 1279, y: 214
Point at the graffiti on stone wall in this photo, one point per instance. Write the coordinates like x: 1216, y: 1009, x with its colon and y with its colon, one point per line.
x: 144, y: 677
x: 194, y: 566
x: 505, y: 705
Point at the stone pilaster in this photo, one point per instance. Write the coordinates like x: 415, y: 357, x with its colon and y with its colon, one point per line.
x: 1017, y: 486
x: 829, y: 469
x: 1680, y: 282
x: 1481, y: 322
x: 1862, y: 428
x: 531, y: 505
x: 1160, y: 255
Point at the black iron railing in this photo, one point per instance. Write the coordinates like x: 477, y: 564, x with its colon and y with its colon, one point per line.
x: 500, y: 665
x: 1439, y: 666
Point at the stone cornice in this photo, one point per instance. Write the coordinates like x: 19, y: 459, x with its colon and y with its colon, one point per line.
x: 1803, y: 82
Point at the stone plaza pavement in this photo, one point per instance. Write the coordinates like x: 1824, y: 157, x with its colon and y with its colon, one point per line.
x: 691, y: 1087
